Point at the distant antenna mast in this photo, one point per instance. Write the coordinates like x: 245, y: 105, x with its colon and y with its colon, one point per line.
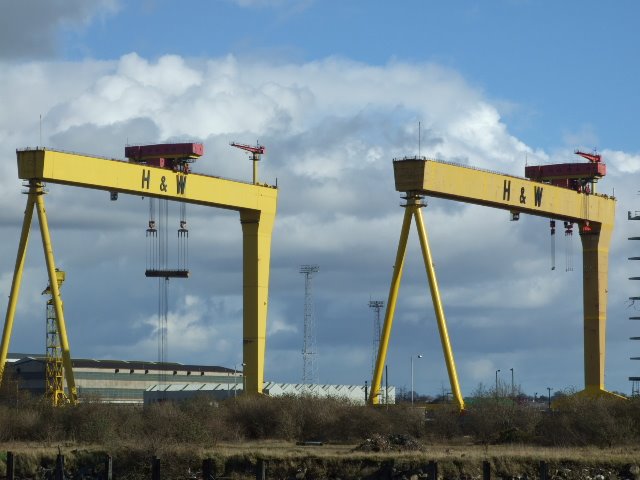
x: 376, y: 305
x: 419, y: 138
x: 309, y: 367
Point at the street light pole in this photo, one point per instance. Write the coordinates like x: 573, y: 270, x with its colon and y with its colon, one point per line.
x: 244, y: 379
x: 497, y: 371
x: 512, y: 385
x: 549, y: 389
x: 235, y: 378
x: 419, y: 356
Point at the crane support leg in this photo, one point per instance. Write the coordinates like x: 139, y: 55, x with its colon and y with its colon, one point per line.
x: 595, y: 264
x: 437, y: 306
x: 374, y: 397
x: 257, y: 228
x: 412, y: 209
x: 57, y: 301
x: 34, y: 190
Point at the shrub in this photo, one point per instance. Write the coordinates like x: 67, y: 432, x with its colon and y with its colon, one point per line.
x: 578, y: 421
x: 581, y: 420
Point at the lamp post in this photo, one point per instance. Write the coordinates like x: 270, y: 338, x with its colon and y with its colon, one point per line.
x: 235, y: 378
x: 512, y: 384
x: 419, y: 356
x: 497, y: 371
x: 244, y: 379
x: 549, y: 390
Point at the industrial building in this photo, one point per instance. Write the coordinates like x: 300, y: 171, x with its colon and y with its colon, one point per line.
x: 116, y: 381
x: 137, y: 382
x: 221, y: 391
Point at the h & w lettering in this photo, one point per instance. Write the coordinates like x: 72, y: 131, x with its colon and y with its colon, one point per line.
x: 146, y: 178
x: 506, y: 192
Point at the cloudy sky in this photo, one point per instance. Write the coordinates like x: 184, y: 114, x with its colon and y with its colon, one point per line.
x: 335, y: 90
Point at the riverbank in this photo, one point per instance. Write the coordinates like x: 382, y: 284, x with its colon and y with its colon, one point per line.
x: 287, y: 460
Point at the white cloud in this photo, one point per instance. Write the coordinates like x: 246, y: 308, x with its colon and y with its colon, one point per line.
x: 479, y: 370
x: 278, y: 324
x: 193, y: 325
x: 621, y: 163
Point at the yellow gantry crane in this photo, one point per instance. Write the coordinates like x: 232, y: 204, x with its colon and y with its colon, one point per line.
x: 565, y: 192
x: 256, y: 204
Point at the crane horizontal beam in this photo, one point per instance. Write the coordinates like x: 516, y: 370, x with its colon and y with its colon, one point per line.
x: 470, y: 185
x: 131, y: 178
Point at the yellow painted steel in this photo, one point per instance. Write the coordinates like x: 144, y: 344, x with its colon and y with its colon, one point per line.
x: 481, y: 187
x: 136, y: 179
x: 595, y: 250
x: 256, y: 231
x: 34, y: 190
x: 256, y: 204
x: 374, y: 396
x: 72, y: 391
x: 437, y: 306
x: 594, y: 214
x: 255, y: 171
x: 412, y: 210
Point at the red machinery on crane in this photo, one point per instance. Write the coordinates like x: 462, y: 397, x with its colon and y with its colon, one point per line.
x: 581, y: 177
x: 175, y: 156
x: 592, y: 157
x: 255, y: 150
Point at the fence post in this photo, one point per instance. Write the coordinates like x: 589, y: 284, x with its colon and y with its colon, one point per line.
x: 261, y: 469
x: 544, y: 470
x: 155, y: 468
x: 432, y: 470
x: 386, y: 470
x: 59, y: 471
x: 11, y: 469
x: 486, y: 470
x: 108, y: 468
x: 207, y: 469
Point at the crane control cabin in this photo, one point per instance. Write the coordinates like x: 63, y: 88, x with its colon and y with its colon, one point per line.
x: 157, y: 172
x: 564, y: 192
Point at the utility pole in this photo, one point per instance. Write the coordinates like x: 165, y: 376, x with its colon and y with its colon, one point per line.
x: 513, y: 392
x: 419, y: 356
x: 377, y: 306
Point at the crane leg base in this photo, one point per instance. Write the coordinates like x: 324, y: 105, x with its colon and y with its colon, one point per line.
x: 595, y: 392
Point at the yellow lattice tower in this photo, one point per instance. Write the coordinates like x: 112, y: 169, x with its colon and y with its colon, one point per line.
x: 54, y: 374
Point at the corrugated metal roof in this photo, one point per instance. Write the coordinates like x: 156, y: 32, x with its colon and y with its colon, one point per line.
x: 129, y: 365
